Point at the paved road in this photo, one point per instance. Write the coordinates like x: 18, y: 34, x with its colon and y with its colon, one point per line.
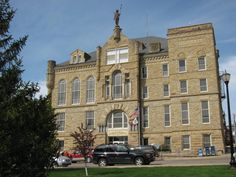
x: 172, y: 161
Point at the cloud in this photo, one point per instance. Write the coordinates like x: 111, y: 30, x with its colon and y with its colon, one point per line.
x: 229, y: 40
x: 42, y: 89
x: 229, y: 65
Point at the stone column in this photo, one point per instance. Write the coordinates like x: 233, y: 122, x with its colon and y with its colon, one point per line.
x: 50, y: 75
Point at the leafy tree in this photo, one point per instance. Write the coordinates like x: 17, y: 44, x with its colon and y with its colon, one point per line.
x: 83, y: 140
x: 27, y: 124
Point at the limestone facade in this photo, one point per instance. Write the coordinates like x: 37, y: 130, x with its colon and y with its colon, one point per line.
x: 173, y: 84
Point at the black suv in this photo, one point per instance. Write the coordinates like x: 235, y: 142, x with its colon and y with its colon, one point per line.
x: 120, y: 154
x: 149, y: 148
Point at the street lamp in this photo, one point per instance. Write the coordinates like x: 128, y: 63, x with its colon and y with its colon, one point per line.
x: 226, y: 78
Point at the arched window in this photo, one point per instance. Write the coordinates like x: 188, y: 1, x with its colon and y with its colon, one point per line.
x: 90, y: 90
x: 75, y: 91
x: 62, y: 92
x: 117, y: 85
x: 117, y: 119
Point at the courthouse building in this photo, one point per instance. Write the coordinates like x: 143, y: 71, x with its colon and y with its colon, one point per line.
x: 147, y: 90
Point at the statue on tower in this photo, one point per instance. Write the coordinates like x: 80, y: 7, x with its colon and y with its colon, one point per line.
x: 117, y: 29
x: 117, y: 17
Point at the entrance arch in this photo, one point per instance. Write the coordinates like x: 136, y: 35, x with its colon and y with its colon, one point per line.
x: 117, y: 127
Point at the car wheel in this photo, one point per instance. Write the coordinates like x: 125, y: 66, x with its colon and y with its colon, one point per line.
x: 102, y: 162
x: 138, y: 161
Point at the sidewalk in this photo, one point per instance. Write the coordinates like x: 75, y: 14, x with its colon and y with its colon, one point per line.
x: 171, y: 161
x: 193, y: 161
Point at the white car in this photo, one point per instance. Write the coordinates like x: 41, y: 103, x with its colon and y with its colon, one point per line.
x: 61, y: 161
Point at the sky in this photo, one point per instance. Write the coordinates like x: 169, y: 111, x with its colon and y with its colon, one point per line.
x: 58, y: 27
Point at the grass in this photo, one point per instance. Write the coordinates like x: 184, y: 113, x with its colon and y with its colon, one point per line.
x: 199, y: 171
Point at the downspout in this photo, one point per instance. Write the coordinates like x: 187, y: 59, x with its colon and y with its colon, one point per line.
x: 140, y: 119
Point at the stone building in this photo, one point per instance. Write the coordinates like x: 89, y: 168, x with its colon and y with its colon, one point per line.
x: 143, y: 91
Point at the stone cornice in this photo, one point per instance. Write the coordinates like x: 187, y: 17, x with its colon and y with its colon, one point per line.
x: 153, y: 57
x: 179, y: 96
x: 75, y: 67
x: 192, y: 28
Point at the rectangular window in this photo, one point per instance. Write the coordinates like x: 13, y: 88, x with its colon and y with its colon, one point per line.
x: 127, y: 85
x: 127, y: 88
x: 107, y: 86
x: 111, y: 57
x: 165, y: 70
x: 89, y: 119
x: 166, y: 90
x: 166, y: 115
x: 183, y: 86
x: 206, y: 140
x: 184, y: 111
x: 201, y: 63
x: 90, y: 96
x: 117, y: 56
x: 144, y: 72
x: 123, y: 55
x: 60, y: 121
x: 145, y: 92
x: 203, y: 85
x: 182, y: 65
x: 145, y: 117
x: 205, y: 112
x: 167, y: 143
x: 185, y: 142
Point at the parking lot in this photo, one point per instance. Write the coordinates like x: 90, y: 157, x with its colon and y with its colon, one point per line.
x: 171, y: 161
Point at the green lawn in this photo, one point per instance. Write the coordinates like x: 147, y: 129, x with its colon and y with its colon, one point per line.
x: 203, y: 171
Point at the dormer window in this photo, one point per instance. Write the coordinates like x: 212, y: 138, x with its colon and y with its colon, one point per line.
x: 79, y: 56
x: 74, y: 59
x: 117, y: 56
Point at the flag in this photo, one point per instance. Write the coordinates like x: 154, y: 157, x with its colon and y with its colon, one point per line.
x: 134, y: 114
x: 135, y: 121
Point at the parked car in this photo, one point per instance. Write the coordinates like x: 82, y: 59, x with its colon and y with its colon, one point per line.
x: 61, y: 161
x: 76, y: 156
x: 150, y: 148
x: 120, y: 154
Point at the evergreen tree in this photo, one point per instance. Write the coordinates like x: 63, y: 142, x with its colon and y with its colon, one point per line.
x: 27, y: 124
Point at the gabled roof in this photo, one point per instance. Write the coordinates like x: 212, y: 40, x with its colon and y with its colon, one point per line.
x: 91, y: 59
x: 152, y: 39
x: 145, y: 40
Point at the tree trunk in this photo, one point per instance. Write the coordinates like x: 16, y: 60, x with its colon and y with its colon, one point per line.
x: 85, y: 166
